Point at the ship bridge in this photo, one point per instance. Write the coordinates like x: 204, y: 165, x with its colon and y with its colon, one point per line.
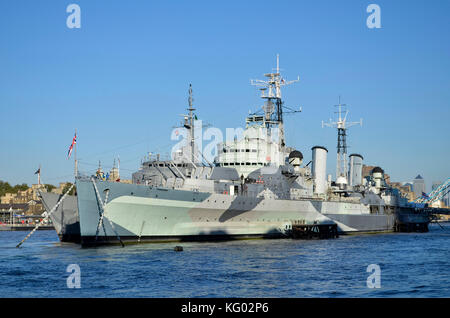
x: 263, y: 142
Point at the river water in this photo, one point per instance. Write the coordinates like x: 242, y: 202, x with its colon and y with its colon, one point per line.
x: 411, y: 265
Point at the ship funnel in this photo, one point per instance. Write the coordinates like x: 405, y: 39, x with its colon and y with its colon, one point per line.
x: 355, y: 171
x: 319, y: 167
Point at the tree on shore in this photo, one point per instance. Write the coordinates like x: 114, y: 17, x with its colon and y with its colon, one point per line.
x: 5, y: 187
x: 49, y: 187
x: 67, y: 186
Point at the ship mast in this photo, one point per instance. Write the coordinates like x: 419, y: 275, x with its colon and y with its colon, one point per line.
x: 342, y: 125
x: 75, y: 156
x: 189, y: 122
x: 273, y: 105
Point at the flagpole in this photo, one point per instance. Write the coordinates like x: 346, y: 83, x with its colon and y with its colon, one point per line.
x: 118, y: 169
x: 75, y: 155
x: 39, y: 175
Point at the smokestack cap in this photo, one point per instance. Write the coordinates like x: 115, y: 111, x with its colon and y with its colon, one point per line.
x: 320, y: 147
x: 356, y: 155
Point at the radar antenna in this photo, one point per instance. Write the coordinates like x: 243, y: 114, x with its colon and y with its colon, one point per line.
x: 273, y: 105
x: 342, y: 125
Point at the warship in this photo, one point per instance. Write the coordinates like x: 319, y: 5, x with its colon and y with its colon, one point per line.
x: 65, y: 218
x: 256, y: 186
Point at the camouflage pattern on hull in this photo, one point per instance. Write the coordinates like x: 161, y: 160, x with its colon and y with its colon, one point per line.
x: 140, y: 213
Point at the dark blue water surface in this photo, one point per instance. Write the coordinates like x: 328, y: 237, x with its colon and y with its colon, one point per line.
x: 412, y: 265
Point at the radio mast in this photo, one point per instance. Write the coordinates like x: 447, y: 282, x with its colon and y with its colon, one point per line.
x: 342, y: 125
x: 273, y: 106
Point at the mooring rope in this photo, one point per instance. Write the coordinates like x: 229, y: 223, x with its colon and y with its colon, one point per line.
x: 47, y: 216
x: 100, y: 221
x: 103, y: 211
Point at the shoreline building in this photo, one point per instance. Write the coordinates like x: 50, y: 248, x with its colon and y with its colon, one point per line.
x: 367, y: 170
x: 419, y: 186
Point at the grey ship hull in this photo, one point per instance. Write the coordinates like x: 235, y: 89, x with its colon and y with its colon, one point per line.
x: 65, y: 219
x: 138, y: 213
x: 401, y: 218
x: 349, y: 223
x: 141, y: 213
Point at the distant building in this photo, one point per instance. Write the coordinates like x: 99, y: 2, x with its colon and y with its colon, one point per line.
x: 405, y: 189
x: 28, y: 200
x: 409, y: 185
x: 419, y: 186
x: 22, y: 196
x: 367, y: 170
x: 62, y: 185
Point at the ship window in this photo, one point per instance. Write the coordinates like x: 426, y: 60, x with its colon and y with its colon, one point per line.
x: 248, y: 163
x: 247, y: 150
x: 254, y: 164
x: 253, y: 150
x: 224, y: 150
x: 231, y: 163
x: 225, y: 164
x: 237, y: 163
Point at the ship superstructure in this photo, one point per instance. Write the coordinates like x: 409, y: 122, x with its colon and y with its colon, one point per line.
x: 342, y: 125
x: 256, y: 187
x: 263, y: 141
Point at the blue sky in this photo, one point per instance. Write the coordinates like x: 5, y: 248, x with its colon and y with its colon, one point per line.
x: 122, y: 79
